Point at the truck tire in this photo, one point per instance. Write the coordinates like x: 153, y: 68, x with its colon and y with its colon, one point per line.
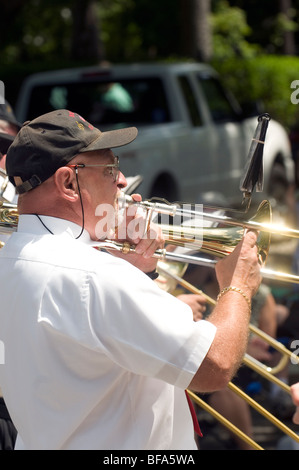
x: 165, y: 187
x: 278, y: 183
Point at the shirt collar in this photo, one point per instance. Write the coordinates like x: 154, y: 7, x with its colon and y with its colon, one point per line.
x: 29, y: 223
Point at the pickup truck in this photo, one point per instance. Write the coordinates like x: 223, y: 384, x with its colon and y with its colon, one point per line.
x: 193, y: 139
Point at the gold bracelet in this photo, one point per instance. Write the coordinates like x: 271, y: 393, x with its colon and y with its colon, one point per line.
x: 235, y: 289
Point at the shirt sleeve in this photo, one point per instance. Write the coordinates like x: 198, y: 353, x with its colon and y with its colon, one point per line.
x: 146, y: 330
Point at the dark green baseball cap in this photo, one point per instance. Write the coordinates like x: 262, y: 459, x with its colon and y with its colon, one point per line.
x: 51, y: 141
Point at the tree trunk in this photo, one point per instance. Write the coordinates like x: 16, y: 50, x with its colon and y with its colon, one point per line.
x: 86, y: 43
x: 289, y: 47
x: 196, y: 31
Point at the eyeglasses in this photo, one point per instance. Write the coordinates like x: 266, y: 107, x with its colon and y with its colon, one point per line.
x: 113, y: 168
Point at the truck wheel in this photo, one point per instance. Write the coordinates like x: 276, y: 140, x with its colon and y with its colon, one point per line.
x: 278, y: 184
x: 165, y: 187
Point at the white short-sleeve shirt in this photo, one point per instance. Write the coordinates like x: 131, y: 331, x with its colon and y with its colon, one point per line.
x: 96, y: 355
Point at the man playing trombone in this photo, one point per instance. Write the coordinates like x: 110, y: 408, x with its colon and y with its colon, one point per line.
x: 100, y: 355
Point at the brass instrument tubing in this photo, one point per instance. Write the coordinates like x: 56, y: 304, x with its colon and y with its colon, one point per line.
x: 278, y: 346
x: 264, y: 412
x: 253, y: 404
x: 184, y: 258
x: 224, y: 421
x: 267, y: 372
x: 250, y: 362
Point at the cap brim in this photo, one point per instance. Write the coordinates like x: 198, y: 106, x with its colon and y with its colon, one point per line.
x: 112, y: 139
x: 5, y: 141
x: 8, y: 118
x: 15, y: 123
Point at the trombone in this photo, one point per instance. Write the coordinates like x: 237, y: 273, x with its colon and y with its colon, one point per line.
x: 256, y: 223
x: 216, y: 241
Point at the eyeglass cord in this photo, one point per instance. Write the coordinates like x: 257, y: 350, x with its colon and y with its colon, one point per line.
x: 81, y: 202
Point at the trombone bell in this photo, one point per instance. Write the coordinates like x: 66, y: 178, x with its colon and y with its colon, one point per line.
x: 220, y: 241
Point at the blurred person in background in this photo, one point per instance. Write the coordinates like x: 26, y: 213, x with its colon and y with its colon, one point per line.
x: 9, y: 127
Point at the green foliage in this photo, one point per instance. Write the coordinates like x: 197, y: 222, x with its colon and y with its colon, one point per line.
x: 251, y: 75
x: 266, y: 79
x: 229, y: 33
x: 121, y: 36
x: 139, y: 30
x: 36, y: 35
x: 282, y: 24
x: 41, y: 31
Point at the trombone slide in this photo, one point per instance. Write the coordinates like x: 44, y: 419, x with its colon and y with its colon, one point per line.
x: 163, y: 254
x: 175, y: 209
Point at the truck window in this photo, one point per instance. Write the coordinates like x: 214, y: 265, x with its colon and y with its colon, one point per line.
x: 105, y: 103
x: 221, y: 107
x: 190, y: 100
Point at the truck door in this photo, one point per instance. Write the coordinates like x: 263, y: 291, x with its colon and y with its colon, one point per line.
x: 196, y: 152
x: 230, y: 143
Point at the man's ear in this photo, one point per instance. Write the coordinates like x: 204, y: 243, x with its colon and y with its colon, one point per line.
x: 65, y: 181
